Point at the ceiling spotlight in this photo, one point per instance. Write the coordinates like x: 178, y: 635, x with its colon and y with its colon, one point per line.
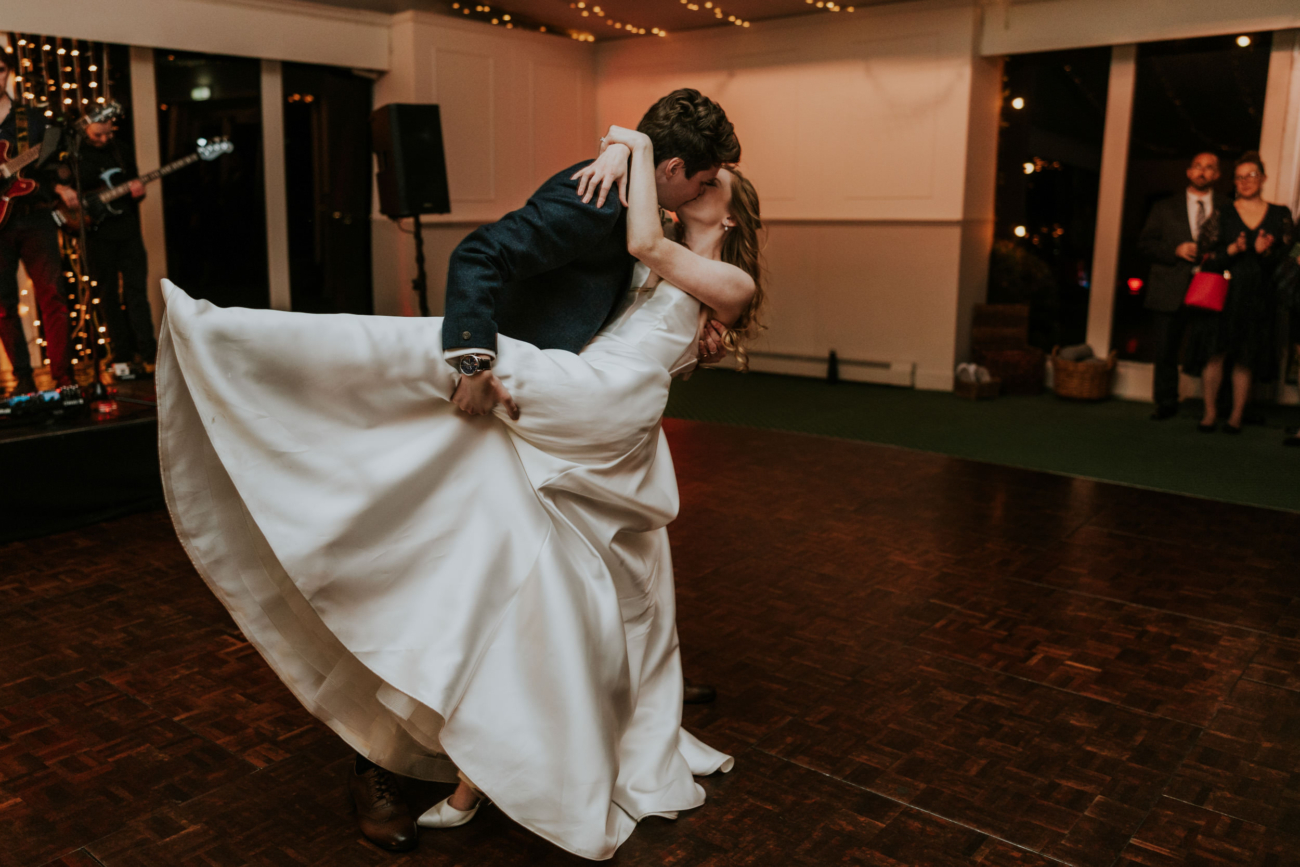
x: 1029, y: 168
x: 1021, y: 231
x: 1018, y: 103
x: 1243, y: 41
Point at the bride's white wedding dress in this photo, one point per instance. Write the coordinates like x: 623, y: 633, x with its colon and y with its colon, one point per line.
x: 439, y: 588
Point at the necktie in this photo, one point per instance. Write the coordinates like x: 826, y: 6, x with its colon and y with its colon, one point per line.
x: 1200, y: 216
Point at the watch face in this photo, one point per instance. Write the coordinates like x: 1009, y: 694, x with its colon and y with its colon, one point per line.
x: 469, y: 364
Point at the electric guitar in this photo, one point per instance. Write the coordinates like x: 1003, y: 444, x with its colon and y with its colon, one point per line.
x: 12, y: 186
x: 96, y: 207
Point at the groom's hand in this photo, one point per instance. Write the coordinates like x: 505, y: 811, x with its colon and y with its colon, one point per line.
x: 479, y: 395
x: 712, y: 349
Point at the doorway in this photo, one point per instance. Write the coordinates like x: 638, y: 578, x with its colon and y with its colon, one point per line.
x: 215, y: 210
x: 328, y: 179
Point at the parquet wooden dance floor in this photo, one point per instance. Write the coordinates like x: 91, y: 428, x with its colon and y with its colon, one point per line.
x: 920, y: 661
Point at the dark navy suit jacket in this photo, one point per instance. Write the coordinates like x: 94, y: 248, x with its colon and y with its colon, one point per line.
x: 549, y: 273
x: 1167, y: 227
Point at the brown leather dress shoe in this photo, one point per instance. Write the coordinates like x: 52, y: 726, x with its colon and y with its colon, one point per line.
x: 696, y: 693
x: 382, y: 815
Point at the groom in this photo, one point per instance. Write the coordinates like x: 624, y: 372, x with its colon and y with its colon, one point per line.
x: 550, y: 274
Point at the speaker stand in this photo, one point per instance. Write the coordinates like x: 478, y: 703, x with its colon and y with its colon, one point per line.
x: 421, y: 282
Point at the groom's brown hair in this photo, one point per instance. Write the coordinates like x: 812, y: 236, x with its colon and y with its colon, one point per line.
x: 689, y: 125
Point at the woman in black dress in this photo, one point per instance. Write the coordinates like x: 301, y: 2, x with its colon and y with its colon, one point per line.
x: 1247, y: 241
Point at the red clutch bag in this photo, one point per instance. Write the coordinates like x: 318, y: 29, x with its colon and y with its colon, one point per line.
x: 1208, y: 291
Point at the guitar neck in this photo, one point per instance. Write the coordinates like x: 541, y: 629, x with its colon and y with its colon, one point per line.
x: 15, y: 165
x: 108, y: 195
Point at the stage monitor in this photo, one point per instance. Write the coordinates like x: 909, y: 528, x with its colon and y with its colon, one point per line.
x: 412, y: 174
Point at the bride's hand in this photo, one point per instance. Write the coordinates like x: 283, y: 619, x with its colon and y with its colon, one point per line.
x: 629, y: 138
x: 609, y: 168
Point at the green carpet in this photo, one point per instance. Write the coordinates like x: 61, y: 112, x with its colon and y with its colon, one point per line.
x: 1113, y: 441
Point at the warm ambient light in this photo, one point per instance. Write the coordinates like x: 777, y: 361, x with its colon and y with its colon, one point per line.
x: 1029, y: 168
x: 1021, y: 231
x: 1018, y: 102
x: 1243, y: 41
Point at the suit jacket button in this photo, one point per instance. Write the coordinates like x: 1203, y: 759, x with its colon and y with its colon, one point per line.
x: 464, y: 335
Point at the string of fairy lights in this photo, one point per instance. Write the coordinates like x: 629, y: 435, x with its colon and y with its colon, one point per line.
x: 595, y: 14
x: 63, y: 79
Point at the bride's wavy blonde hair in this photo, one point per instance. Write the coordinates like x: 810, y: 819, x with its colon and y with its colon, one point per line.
x: 741, y: 247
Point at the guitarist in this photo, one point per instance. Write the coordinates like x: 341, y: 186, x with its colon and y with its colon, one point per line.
x: 115, y: 247
x: 31, y: 237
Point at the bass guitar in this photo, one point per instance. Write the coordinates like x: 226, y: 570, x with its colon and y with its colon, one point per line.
x: 12, y: 186
x: 96, y: 206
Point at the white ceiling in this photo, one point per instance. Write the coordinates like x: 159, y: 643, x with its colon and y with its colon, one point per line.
x: 669, y: 15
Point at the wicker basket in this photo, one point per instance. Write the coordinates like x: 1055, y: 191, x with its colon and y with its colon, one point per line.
x: 977, y: 390
x: 1081, y: 380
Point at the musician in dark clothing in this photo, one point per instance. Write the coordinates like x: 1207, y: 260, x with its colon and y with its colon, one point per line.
x: 115, y: 248
x: 30, y: 236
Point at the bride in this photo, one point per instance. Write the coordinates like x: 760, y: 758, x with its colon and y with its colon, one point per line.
x: 489, y: 598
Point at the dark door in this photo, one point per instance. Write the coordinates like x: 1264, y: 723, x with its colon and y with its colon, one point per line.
x: 328, y: 176
x: 215, y: 211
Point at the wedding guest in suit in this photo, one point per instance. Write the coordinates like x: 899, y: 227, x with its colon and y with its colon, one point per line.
x: 1249, y: 240
x: 1168, y: 240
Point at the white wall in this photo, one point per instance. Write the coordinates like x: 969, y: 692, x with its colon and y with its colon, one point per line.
x: 516, y: 108
x: 856, y: 131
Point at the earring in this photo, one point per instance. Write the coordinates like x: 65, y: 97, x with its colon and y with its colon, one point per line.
x: 726, y: 228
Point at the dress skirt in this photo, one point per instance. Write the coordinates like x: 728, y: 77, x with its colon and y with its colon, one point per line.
x: 443, y: 591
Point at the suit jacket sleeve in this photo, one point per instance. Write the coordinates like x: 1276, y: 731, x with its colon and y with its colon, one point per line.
x: 1154, y: 242
x: 551, y: 230
x: 1212, y: 245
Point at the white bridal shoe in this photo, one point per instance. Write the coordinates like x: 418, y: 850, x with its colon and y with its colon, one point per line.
x: 444, y: 815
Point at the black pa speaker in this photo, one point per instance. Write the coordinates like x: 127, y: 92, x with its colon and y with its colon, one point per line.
x: 412, y: 174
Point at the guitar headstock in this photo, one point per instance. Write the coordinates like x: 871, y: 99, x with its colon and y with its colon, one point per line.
x: 102, y: 114
x: 211, y: 148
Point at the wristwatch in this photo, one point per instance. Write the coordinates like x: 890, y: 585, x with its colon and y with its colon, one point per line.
x: 472, y: 364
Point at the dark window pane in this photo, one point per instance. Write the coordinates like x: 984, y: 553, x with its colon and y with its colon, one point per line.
x: 1190, y: 96
x: 1049, y: 162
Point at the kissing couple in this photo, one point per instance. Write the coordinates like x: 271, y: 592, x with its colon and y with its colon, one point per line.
x: 448, y: 536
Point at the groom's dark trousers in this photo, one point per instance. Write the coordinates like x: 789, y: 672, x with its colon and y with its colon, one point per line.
x: 549, y: 274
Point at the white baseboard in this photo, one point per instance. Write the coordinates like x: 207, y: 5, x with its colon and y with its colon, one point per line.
x: 1135, y: 380
x: 900, y: 373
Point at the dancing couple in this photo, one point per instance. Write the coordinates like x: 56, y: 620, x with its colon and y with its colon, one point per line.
x: 447, y: 537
